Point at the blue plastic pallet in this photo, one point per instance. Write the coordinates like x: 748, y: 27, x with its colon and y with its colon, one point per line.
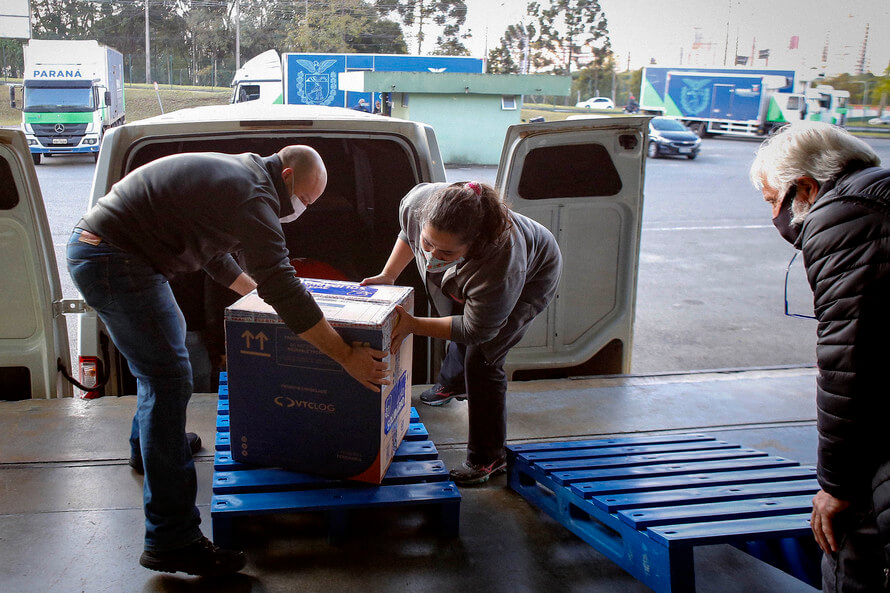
x: 646, y: 502
x: 416, y: 477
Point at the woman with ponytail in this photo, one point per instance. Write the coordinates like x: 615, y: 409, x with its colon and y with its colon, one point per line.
x: 488, y: 271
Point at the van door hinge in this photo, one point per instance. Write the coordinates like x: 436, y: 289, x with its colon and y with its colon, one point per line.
x: 70, y: 306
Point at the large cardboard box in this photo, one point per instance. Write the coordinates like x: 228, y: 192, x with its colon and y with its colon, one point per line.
x: 292, y: 406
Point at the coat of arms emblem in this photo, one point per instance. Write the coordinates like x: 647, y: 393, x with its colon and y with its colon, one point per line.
x: 316, y: 86
x: 694, y: 95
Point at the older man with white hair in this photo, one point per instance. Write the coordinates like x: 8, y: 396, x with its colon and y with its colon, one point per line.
x: 831, y: 200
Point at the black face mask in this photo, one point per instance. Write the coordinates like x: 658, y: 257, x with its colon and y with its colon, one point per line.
x: 790, y: 232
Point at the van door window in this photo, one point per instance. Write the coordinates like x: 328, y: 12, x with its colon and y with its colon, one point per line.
x: 585, y: 170
x: 9, y: 194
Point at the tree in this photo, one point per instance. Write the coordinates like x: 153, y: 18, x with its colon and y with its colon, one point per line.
x: 514, y: 53
x: 120, y: 25
x: 13, y: 63
x: 62, y: 19
x: 264, y: 25
x: 344, y: 26
x: 882, y: 90
x: 448, y: 15
x: 210, y: 39
x: 566, y: 28
x: 500, y: 61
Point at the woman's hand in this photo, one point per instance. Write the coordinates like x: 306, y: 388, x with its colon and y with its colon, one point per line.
x: 378, y: 279
x: 405, y: 325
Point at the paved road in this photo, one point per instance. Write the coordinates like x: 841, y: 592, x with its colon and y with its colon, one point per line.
x: 711, y: 273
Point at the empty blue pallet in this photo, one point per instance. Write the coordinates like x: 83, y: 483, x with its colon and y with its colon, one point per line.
x: 416, y: 477
x: 646, y: 502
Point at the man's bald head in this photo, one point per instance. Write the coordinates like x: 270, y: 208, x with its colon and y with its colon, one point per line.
x: 304, y: 171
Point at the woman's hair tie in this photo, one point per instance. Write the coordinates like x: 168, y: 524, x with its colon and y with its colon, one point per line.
x: 474, y: 185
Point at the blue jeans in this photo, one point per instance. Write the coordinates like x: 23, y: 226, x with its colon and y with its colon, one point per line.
x: 138, y: 309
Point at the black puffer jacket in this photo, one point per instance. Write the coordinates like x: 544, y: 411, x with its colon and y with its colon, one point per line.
x: 881, y: 486
x: 846, y: 247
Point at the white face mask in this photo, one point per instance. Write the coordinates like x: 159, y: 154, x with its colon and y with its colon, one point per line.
x: 436, y: 265
x: 299, y: 208
x: 297, y: 203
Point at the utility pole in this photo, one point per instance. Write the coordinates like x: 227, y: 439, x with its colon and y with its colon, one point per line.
x: 237, y: 34
x: 726, y: 40
x: 147, y: 48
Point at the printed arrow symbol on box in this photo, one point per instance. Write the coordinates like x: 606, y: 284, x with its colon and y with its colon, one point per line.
x: 247, y: 338
x: 262, y: 339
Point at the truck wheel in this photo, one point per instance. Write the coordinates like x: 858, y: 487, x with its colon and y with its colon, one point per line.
x: 35, y: 156
x: 700, y: 128
x: 95, y: 157
x: 652, y: 152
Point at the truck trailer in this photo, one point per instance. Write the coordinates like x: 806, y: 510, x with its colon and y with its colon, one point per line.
x: 312, y: 79
x: 73, y: 91
x: 738, y: 101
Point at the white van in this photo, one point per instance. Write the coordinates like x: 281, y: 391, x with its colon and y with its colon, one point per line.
x: 582, y: 179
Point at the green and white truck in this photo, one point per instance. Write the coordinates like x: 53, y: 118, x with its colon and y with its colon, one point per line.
x: 72, y: 92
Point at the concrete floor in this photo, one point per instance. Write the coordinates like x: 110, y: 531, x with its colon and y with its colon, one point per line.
x: 71, y: 509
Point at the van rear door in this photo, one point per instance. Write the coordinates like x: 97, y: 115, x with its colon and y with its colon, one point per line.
x: 33, y: 332
x: 583, y: 180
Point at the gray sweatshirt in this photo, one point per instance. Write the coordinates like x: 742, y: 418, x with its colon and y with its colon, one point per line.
x: 190, y: 211
x: 502, y: 290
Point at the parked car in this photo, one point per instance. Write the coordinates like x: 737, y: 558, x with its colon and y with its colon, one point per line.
x: 882, y: 120
x: 574, y: 177
x: 597, y: 103
x: 668, y: 136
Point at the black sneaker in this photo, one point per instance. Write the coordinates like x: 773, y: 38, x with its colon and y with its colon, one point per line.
x: 470, y: 474
x: 136, y: 460
x: 201, y: 558
x: 439, y: 395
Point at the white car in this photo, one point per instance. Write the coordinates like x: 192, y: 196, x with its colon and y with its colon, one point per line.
x: 597, y: 103
x: 882, y: 120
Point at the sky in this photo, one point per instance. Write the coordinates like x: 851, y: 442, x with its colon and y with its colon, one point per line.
x: 666, y: 30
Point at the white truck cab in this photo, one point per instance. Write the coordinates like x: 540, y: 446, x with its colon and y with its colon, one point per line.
x: 259, y: 80
x: 582, y: 179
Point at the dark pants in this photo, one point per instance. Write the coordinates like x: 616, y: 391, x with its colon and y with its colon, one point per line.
x: 858, y: 565
x: 485, y: 383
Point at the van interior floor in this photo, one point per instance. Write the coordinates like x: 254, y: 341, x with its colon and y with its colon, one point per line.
x: 71, y: 516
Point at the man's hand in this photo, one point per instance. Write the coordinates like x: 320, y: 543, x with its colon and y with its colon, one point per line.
x: 378, y: 279
x: 825, y: 509
x: 404, y: 326
x: 364, y: 364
